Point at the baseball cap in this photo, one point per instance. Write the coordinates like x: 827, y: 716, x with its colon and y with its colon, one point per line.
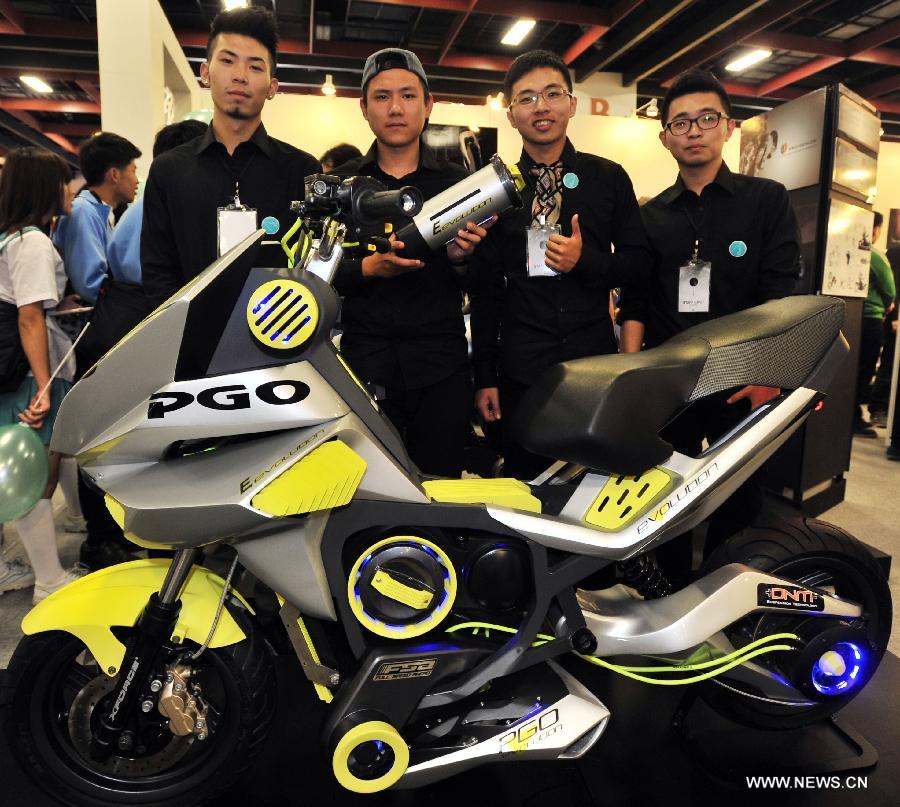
x: 392, y: 59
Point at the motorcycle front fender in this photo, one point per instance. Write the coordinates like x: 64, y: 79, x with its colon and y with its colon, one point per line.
x: 90, y: 607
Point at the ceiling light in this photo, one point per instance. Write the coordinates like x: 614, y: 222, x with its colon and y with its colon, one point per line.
x: 36, y: 84
x: 230, y: 5
x: 748, y: 60
x: 328, y: 86
x: 517, y: 32
x: 495, y: 102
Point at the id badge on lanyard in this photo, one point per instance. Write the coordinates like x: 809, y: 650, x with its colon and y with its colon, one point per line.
x: 694, y: 279
x: 537, y: 236
x: 235, y: 221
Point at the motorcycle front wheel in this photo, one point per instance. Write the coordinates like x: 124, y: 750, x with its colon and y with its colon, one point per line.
x: 49, y: 701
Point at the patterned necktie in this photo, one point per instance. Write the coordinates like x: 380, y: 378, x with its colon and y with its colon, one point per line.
x: 547, y: 193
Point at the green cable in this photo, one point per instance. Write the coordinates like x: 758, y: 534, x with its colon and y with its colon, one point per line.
x: 682, y: 681
x: 718, y: 666
x: 290, y: 234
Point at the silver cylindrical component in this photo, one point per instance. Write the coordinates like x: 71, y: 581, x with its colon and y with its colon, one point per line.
x: 490, y: 190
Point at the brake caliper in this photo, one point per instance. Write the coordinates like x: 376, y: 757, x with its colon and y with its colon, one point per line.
x: 181, y: 702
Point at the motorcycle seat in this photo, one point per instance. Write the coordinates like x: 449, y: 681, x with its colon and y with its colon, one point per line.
x: 606, y: 412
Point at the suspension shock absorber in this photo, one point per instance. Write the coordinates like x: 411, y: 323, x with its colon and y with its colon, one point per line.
x: 644, y: 576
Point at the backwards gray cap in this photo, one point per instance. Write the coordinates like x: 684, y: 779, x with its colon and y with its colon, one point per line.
x: 391, y: 59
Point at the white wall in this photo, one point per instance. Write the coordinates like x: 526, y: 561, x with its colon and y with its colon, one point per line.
x: 888, y: 184
x: 139, y: 55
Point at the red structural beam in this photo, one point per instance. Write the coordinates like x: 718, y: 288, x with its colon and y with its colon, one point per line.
x: 60, y: 140
x: 583, y: 42
x: 89, y: 89
x: 887, y: 106
x: 883, y: 87
x: 69, y: 129
x: 732, y: 36
x: 13, y: 17
x: 553, y: 12
x: 50, y: 105
x: 797, y: 74
x: 457, y: 26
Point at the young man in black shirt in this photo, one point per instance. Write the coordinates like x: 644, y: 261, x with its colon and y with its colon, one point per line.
x: 722, y: 242
x: 527, y: 317
x: 402, y: 317
x: 235, y: 169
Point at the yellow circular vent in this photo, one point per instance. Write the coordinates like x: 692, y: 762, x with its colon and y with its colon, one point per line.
x: 282, y: 314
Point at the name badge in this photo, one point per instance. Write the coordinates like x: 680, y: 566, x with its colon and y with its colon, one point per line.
x: 536, y: 253
x: 235, y: 224
x: 693, y: 287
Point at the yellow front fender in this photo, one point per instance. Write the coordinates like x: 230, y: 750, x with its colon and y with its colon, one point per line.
x: 114, y: 597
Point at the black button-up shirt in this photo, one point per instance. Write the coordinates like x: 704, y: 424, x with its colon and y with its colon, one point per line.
x: 521, y: 325
x: 179, y: 236
x: 408, y: 330
x: 732, y: 208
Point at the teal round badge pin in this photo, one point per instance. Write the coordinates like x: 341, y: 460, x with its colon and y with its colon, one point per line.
x: 737, y: 249
x: 570, y: 180
x: 271, y: 225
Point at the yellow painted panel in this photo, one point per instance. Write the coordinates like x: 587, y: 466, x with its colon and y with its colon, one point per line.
x: 502, y: 492
x: 326, y: 477
x: 623, y: 498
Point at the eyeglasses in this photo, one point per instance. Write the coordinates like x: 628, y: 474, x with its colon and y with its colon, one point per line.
x: 708, y: 120
x: 552, y: 95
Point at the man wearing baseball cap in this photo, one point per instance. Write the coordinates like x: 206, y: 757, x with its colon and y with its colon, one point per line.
x: 404, y: 334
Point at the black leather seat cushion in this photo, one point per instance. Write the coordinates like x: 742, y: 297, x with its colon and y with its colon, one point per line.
x: 606, y: 412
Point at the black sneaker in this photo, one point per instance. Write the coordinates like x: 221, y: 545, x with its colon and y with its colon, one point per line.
x: 878, y: 417
x: 863, y: 429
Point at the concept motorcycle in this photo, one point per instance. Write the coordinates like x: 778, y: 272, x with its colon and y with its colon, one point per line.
x: 440, y: 619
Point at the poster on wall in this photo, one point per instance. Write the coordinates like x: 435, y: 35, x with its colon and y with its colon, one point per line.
x: 854, y: 169
x: 858, y: 120
x: 462, y: 145
x: 785, y: 144
x: 847, y: 250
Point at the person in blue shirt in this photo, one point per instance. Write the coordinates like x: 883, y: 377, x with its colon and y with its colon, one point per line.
x: 108, y: 164
x: 123, y: 253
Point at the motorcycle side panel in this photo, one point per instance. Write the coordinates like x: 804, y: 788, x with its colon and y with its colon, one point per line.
x: 114, y: 597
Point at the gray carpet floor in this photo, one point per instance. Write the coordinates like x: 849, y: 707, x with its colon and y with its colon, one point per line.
x: 869, y: 512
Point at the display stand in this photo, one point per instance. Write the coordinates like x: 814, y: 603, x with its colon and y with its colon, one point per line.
x: 729, y: 752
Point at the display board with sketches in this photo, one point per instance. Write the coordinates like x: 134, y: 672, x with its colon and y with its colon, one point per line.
x: 785, y: 144
x: 847, y: 250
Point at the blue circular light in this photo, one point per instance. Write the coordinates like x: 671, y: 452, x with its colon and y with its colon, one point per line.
x: 839, y: 670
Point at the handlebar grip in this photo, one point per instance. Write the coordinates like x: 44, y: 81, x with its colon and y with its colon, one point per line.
x: 377, y: 205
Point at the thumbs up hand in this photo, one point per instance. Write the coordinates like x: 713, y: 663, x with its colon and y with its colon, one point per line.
x: 563, y: 253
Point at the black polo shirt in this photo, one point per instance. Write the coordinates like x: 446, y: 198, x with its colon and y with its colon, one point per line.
x: 406, y: 331
x: 732, y: 209
x: 187, y: 185
x: 521, y: 325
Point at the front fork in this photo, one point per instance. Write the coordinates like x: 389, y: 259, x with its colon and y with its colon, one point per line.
x: 153, y: 628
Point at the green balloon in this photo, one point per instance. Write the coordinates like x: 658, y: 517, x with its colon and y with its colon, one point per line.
x: 23, y: 470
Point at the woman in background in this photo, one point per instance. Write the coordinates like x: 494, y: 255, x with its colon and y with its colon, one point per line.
x: 33, y: 189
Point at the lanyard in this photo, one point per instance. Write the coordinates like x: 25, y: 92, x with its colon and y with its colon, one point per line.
x: 695, y: 255
x: 238, y: 176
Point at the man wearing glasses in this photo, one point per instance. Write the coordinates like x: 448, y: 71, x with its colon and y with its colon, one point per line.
x: 542, y: 276
x: 722, y: 242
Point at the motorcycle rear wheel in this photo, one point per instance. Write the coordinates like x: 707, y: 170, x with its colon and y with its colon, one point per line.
x: 815, y: 554
x: 52, y: 673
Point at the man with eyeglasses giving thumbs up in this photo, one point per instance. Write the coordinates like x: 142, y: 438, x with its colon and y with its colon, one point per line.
x: 542, y: 276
